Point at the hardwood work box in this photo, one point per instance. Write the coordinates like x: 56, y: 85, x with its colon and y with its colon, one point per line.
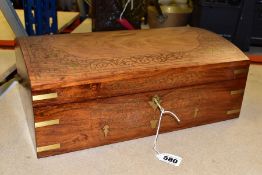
x: 86, y: 90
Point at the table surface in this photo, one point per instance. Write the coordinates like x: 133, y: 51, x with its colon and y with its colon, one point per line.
x: 7, y: 63
x: 231, y: 147
x: 64, y: 20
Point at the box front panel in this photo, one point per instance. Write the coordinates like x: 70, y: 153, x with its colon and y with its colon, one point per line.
x: 159, y: 80
x: 70, y: 127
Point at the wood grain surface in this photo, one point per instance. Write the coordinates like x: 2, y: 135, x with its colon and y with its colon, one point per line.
x: 70, y: 60
x: 173, y: 78
x: 82, y: 125
x: 104, y: 82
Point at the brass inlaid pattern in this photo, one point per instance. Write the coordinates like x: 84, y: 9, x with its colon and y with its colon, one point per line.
x: 240, y: 71
x: 196, y: 112
x: 106, y: 130
x: 240, y: 91
x: 48, y: 148
x: 45, y: 96
x: 153, y: 104
x: 153, y: 124
x: 235, y: 111
x: 47, y: 123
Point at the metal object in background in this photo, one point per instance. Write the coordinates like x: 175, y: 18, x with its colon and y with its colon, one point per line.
x: 176, y: 15
x: 40, y: 17
x: 4, y: 87
x: 161, y: 17
x: 83, y: 6
x: 13, y: 20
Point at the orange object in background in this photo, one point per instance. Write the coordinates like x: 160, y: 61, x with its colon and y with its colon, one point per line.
x: 255, y: 58
x: 7, y: 43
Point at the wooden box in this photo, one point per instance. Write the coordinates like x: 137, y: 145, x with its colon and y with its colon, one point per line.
x: 86, y: 90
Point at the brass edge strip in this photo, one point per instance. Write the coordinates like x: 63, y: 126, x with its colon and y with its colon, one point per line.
x: 196, y: 112
x: 240, y: 91
x: 44, y: 96
x: 46, y: 123
x: 240, y: 71
x: 235, y: 111
x: 48, y: 148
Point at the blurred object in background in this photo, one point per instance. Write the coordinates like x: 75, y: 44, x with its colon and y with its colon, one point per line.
x: 62, y: 5
x: 233, y: 19
x: 40, y: 17
x: 83, y: 6
x: 256, y: 37
x: 106, y: 13
x: 18, y: 4
x: 169, y: 13
x: 218, y: 16
x: 67, y: 5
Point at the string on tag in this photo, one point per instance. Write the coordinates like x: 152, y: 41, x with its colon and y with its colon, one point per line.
x: 165, y: 157
x: 132, y: 6
x: 162, y: 112
x: 124, y: 22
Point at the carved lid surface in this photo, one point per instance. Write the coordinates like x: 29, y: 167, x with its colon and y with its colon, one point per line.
x: 75, y: 59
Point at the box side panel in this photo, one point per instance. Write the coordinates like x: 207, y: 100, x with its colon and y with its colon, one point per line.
x: 25, y: 92
x: 70, y: 127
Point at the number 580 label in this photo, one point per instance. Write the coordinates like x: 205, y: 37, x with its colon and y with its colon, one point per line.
x: 169, y: 158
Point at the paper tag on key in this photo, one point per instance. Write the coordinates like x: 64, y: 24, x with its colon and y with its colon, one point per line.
x: 169, y: 158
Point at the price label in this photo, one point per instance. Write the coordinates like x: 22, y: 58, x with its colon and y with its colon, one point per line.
x: 169, y: 158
